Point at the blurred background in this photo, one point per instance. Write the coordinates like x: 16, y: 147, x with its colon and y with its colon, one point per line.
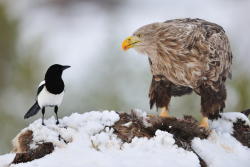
x: 87, y: 35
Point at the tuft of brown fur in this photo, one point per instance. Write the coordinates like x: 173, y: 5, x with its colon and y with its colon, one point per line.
x: 21, y: 146
x: 127, y: 133
x: 42, y: 150
x: 183, y: 129
x: 242, y: 132
x: 21, y: 143
x: 246, y: 112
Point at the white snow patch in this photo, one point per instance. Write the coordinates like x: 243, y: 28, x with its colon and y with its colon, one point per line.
x: 222, y: 150
x: 6, y: 159
x: 159, y: 151
x: 225, y: 123
x: 234, y: 116
x: 106, y: 140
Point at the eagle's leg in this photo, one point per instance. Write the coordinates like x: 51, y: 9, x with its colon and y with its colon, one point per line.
x: 204, y: 122
x: 212, y: 103
x: 161, y: 91
x: 164, y: 112
x: 160, y: 94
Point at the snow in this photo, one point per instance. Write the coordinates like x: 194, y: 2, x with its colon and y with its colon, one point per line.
x: 86, y: 124
x: 6, y: 159
x: 234, y: 116
x: 92, y: 142
x: 222, y: 150
x: 225, y: 123
x: 159, y: 151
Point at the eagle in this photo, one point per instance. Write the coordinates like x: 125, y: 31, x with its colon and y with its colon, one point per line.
x: 185, y: 56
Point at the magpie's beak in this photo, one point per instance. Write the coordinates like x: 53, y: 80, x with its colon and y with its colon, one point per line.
x: 65, y: 67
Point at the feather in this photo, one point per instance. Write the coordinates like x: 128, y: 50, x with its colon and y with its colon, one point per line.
x: 32, y: 111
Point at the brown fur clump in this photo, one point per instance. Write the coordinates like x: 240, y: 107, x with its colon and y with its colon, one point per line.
x: 21, y: 146
x: 136, y: 129
x: 184, y: 130
x: 242, y: 132
x: 22, y: 141
x: 42, y: 150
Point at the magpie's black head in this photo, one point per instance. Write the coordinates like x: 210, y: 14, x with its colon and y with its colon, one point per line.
x: 53, y: 78
x: 55, y: 71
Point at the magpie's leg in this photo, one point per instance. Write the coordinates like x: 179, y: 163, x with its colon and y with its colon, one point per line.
x: 55, y: 110
x: 43, y: 112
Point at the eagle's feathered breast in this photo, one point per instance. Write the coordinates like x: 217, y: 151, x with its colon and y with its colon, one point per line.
x: 190, y: 52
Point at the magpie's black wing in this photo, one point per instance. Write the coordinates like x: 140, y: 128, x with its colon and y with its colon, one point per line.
x: 40, y: 88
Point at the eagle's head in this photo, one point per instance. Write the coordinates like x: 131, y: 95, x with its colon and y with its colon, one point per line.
x: 143, y: 39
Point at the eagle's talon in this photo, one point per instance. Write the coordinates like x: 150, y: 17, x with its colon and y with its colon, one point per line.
x: 151, y: 115
x: 164, y: 113
x: 204, y: 123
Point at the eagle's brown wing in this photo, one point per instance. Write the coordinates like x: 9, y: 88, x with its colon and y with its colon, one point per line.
x: 219, y: 57
x: 192, y: 52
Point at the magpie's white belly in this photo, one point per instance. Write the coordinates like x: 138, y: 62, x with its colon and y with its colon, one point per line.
x: 46, y: 98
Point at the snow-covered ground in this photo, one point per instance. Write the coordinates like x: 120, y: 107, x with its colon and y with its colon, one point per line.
x: 93, y: 144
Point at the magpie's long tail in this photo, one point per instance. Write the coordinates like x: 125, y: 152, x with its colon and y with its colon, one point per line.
x: 32, y: 111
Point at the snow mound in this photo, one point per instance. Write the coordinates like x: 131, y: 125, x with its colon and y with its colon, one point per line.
x: 89, y: 140
x: 225, y: 123
x: 70, y: 128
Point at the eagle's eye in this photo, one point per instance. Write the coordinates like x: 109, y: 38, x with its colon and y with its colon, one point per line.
x: 139, y: 35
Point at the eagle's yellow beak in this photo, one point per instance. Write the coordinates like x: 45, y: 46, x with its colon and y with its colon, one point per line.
x: 130, y: 42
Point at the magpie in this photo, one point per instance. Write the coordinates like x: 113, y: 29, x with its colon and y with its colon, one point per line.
x: 50, y: 92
